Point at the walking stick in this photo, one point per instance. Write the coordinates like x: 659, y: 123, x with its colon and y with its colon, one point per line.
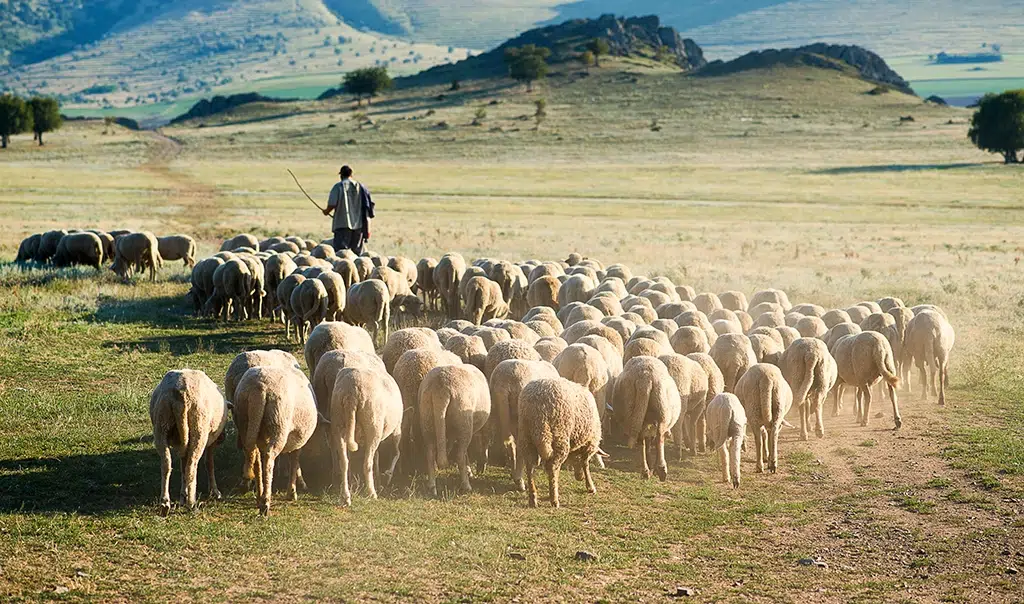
x: 304, y: 191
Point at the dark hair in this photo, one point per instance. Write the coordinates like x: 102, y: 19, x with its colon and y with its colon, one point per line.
x: 346, y: 171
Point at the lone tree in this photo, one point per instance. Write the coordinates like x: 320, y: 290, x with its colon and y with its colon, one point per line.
x: 15, y: 118
x: 598, y: 46
x: 527, y: 63
x: 368, y: 82
x: 45, y: 116
x: 998, y: 124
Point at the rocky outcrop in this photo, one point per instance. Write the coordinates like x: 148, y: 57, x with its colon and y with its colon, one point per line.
x: 866, y: 64
x: 634, y: 36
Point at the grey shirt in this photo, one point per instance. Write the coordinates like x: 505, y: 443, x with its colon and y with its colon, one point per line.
x: 347, y: 204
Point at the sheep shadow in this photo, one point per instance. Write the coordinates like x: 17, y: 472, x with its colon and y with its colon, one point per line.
x: 876, y: 169
x: 217, y: 342
x: 161, y: 311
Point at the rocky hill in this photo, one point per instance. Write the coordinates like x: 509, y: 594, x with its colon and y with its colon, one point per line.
x: 867, y: 65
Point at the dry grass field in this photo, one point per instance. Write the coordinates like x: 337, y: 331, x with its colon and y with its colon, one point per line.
x: 792, y: 178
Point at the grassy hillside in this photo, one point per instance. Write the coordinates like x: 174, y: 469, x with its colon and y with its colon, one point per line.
x: 793, y: 178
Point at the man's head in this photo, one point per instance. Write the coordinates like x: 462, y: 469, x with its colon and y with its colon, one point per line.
x: 345, y: 172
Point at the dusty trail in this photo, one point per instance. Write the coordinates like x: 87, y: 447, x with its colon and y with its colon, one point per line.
x: 198, y: 201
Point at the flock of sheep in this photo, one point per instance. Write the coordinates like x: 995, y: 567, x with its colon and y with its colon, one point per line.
x: 127, y: 251
x: 537, y: 364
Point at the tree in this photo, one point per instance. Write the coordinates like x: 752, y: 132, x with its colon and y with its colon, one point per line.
x: 368, y: 82
x: 587, y: 58
x: 998, y: 124
x: 598, y: 46
x: 45, y: 116
x: 15, y: 118
x: 527, y: 63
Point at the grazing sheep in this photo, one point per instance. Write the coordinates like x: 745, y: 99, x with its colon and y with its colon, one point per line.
x: 692, y: 383
x: 455, y: 404
x: 409, y: 371
x: 838, y: 331
x: 330, y: 365
x: 726, y: 428
x: 586, y: 366
x: 545, y: 314
x: 202, y: 282
x: 583, y: 312
x: 858, y: 313
x: 232, y: 283
x: 283, y: 247
x: 734, y: 356
x: 346, y: 268
x: 643, y: 314
x: 871, y: 305
x: 483, y: 300
x: 770, y: 319
x: 504, y: 351
x: 364, y: 267
x: 505, y: 384
x: 577, y: 288
x: 695, y: 318
x: 188, y: 415
x: 48, y: 242
x: 689, y: 339
x: 928, y: 340
x: 558, y: 422
x: 403, y: 340
x: 763, y: 307
x: 646, y: 405
x: 369, y: 303
x: 178, y: 247
x: 788, y: 334
x: 623, y: 327
x: 337, y: 295
x: 546, y: 269
x: 809, y: 310
x: 491, y: 336
x: 396, y: 282
x: 715, y: 386
x: 888, y: 303
x: 766, y: 399
x: 612, y: 358
x: 656, y: 298
x: 607, y: 304
x: 244, y: 240
x: 863, y: 360
x: 666, y: 326
x: 543, y: 292
x: 766, y: 349
x: 686, y: 293
x: 811, y: 373
x: 619, y: 271
x: 266, y: 244
x: 254, y: 298
x: 335, y: 335
x: 549, y: 347
x: 283, y: 293
x: 469, y: 348
x: 447, y: 276
x: 275, y: 414
x: 835, y: 317
x: 29, y: 249
x: 276, y: 269
x: 254, y: 358
x: 811, y: 327
x: 309, y: 306
x: 323, y: 251
x: 366, y: 407
x: 724, y: 326
x: 425, y: 282
x: 923, y: 307
x: 774, y: 296
x: 136, y: 250
x: 733, y: 300
x: 79, y: 249
x: 901, y: 318
x: 612, y: 285
x: 707, y: 302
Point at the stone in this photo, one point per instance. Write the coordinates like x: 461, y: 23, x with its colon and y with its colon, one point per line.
x: 585, y: 556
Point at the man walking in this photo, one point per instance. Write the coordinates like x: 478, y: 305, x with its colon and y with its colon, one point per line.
x: 353, y: 209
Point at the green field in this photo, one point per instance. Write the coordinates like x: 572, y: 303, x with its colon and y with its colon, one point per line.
x: 790, y: 178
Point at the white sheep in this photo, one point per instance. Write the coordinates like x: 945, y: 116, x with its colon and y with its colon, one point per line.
x: 455, y: 404
x: 334, y: 335
x: 766, y: 399
x: 505, y: 384
x: 368, y: 303
x: 927, y: 343
x: 404, y: 340
x: 309, y: 306
x: 811, y: 373
x: 177, y: 247
x: 646, y: 405
x: 734, y: 356
x: 726, y: 427
x: 863, y: 360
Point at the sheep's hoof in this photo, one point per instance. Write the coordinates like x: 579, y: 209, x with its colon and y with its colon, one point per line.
x: 662, y: 473
x: 592, y: 490
x: 736, y: 483
x: 645, y: 474
x: 265, y: 508
x: 759, y: 469
x: 165, y: 509
x: 899, y: 423
x: 555, y: 504
x: 216, y: 494
x: 346, y: 502
x: 294, y: 495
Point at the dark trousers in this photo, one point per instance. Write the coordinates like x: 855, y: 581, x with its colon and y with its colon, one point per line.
x: 348, y: 239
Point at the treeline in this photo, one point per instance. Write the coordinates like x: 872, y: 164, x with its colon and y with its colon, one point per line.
x: 37, y: 115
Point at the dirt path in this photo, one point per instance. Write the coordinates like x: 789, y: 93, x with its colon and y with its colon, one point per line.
x: 198, y: 200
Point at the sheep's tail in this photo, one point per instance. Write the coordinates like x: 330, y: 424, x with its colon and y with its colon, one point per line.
x: 640, y: 398
x: 886, y: 365
x: 349, y: 417
x: 766, y: 393
x: 806, y: 378
x: 439, y: 407
x: 256, y: 403
x: 505, y: 417
x: 179, y: 414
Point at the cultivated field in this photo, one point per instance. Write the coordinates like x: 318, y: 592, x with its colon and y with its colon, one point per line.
x: 795, y: 179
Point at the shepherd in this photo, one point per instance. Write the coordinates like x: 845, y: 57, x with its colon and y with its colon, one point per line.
x: 353, y: 209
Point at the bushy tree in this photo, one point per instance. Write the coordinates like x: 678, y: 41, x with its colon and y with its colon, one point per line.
x: 527, y: 63
x: 45, y: 116
x: 368, y: 82
x: 15, y: 118
x: 998, y: 124
x: 587, y: 58
x: 598, y: 46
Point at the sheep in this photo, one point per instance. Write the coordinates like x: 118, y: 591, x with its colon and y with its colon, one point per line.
x: 666, y: 326
x: 28, y: 249
x: 549, y: 347
x: 863, y: 360
x: 511, y: 349
x: 927, y: 343
x: 323, y: 251
x: 79, y: 248
x: 330, y: 365
x: 546, y: 269
x: 254, y: 358
x: 346, y: 269
x: 543, y: 292
x: 483, y: 300
x: 256, y: 293
x: 766, y: 349
x: 888, y: 303
x: 469, y: 348
x: 202, y: 282
x: 707, y: 302
x: 923, y: 307
x: 584, y: 312
x: 671, y: 310
x: 275, y: 270
x: 232, y: 283
x: 835, y: 317
x: 656, y: 298
x: 641, y: 314
x: 811, y: 327
x: 901, y: 318
x: 545, y: 314
x: 770, y: 319
x: 558, y: 422
x: 491, y: 336
x: 858, y: 313
x: 505, y: 384
x: 744, y: 320
x: 715, y: 386
x: 455, y: 404
x: 612, y: 285
x: 364, y: 266
x: 266, y: 244
x: 871, y: 305
x: 695, y: 318
x: 48, y: 242
x: 766, y: 399
x: 724, y: 326
x: 788, y: 334
x: 225, y: 256
x: 309, y: 306
x: 283, y: 294
x: 577, y: 288
x: 188, y: 415
x: 409, y: 371
x: 733, y: 300
x: 771, y: 332
x: 809, y: 310
x: 811, y: 372
x: 366, y: 407
x: 623, y: 327
x: 775, y: 296
x: 792, y: 318
x: 425, y: 282
x: 689, y: 339
x: 565, y: 311
x: 686, y: 293
x: 586, y: 366
x: 607, y: 304
x: 522, y: 331
x: 275, y: 414
x: 726, y: 428
x: 763, y: 307
x: 136, y: 249
x: 243, y: 240
x: 651, y: 333
x: 646, y: 405
x: 734, y: 356
x: 572, y: 335
x: 369, y: 303
x: 692, y: 383
x: 178, y: 247
x: 838, y: 331
x: 403, y: 340
x: 612, y: 358
x: 335, y: 335
x: 337, y: 295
